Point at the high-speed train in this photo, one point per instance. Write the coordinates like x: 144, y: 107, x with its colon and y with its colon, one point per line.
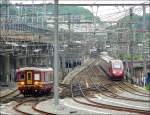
x: 112, y: 67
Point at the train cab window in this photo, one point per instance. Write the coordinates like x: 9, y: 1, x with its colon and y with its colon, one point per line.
x: 36, y: 76
x: 116, y: 66
x: 29, y: 76
x: 22, y: 76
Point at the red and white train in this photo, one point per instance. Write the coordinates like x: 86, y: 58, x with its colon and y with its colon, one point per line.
x: 112, y: 67
x: 34, y: 81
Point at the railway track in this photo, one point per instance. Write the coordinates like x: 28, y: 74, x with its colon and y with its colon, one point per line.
x: 25, y: 105
x: 135, y: 90
x: 98, y: 104
x: 10, y: 96
x: 124, y: 88
x: 112, y: 94
x: 28, y: 107
x: 92, y: 103
x: 128, y: 88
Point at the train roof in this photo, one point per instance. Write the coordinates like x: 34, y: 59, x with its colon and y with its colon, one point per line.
x: 107, y: 58
x: 110, y: 59
x: 116, y: 60
x: 104, y: 53
x: 35, y: 69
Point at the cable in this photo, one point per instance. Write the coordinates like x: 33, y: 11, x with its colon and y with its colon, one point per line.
x: 112, y: 14
x: 121, y: 11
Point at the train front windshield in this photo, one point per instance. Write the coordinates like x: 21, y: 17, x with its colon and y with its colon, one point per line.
x: 116, y: 66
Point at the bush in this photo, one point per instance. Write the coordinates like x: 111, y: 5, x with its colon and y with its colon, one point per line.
x: 148, y: 87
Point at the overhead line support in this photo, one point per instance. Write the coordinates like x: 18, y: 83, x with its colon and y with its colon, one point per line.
x: 144, y: 55
x: 81, y: 4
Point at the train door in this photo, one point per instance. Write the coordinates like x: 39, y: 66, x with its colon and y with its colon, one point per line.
x: 29, y: 77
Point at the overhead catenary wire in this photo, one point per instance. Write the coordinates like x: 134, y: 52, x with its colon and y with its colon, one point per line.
x: 110, y: 15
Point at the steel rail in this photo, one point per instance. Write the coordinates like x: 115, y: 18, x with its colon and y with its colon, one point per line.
x: 33, y: 107
x: 136, y: 89
x: 14, y: 91
x: 40, y: 111
x: 106, y: 106
x: 114, y: 94
x: 121, y: 87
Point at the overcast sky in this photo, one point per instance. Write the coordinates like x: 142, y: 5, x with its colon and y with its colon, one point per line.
x: 106, y: 13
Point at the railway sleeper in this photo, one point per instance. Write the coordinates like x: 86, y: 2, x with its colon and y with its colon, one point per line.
x: 79, y: 93
x: 99, y: 88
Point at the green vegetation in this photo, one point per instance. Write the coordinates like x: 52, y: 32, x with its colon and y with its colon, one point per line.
x: 128, y: 57
x: 148, y: 87
x: 63, y: 10
x: 75, y: 10
x: 138, y: 19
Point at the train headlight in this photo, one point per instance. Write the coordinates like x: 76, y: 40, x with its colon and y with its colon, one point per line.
x: 36, y: 83
x: 22, y: 83
x: 114, y: 72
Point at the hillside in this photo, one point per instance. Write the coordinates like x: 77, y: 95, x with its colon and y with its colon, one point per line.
x: 139, y: 21
x: 65, y: 10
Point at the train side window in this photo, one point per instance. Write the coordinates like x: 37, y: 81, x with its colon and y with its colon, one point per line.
x: 22, y: 76
x: 51, y: 76
x: 47, y: 76
x: 42, y: 76
x: 36, y: 76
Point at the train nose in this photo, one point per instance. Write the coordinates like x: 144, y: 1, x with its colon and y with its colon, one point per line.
x: 117, y: 72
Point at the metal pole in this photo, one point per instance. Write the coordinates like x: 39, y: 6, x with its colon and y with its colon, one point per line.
x: 144, y: 58
x: 131, y: 42
x: 45, y: 13
x: 32, y: 12
x: 56, y: 78
x: 69, y: 27
x: 8, y: 10
x: 25, y: 17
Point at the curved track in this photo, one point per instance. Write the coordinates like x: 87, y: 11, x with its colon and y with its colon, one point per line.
x: 83, y: 85
x: 135, y: 90
x: 105, y: 106
x: 28, y: 107
x: 110, y: 84
x: 10, y: 96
